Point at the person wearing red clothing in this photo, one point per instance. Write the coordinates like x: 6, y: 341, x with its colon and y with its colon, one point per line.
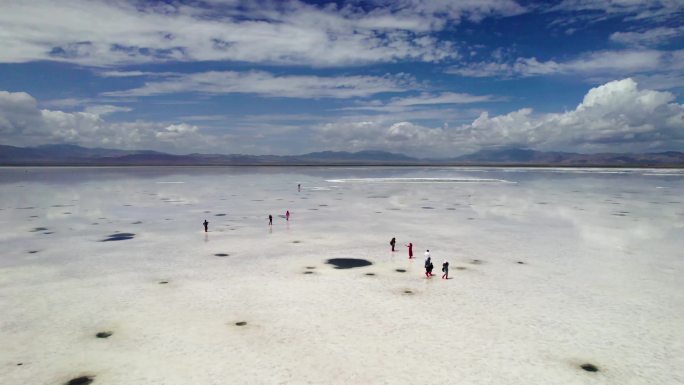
x: 410, y: 249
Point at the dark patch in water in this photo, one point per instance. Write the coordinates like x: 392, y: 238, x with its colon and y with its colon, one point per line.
x: 66, y: 213
x: 103, y: 334
x: 25, y: 208
x: 49, y: 232
x: 241, y: 323
x: 119, y: 237
x: 520, y: 263
x: 322, y: 205
x: 427, y: 208
x: 36, y: 229
x: 136, y: 223
x: 348, y: 263
x: 589, y: 367
x: 220, y: 215
x: 221, y: 254
x: 313, y: 209
x: 451, y: 208
x: 83, y: 380
x: 33, y: 251
x: 400, y: 270
x: 33, y: 216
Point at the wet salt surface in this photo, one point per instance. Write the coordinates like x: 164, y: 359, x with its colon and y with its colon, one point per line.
x: 559, y: 285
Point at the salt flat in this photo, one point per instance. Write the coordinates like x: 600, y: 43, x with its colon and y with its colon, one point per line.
x: 550, y: 268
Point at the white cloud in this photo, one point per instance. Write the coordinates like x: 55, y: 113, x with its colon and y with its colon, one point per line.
x: 616, y: 116
x: 106, y: 109
x: 629, y: 9
x: 106, y: 33
x: 23, y: 123
x: 651, y: 37
x: 623, y: 62
x: 269, y: 85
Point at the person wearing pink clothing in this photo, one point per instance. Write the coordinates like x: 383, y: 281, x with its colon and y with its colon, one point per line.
x: 287, y: 215
x: 410, y: 250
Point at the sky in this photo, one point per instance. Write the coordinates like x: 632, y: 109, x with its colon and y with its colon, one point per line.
x: 426, y: 78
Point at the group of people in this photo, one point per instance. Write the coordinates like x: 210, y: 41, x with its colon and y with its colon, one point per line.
x: 428, y: 260
x: 270, y: 220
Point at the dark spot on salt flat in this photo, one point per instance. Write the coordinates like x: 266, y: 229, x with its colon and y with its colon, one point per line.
x: 313, y: 209
x: 20, y: 363
x: 221, y: 254
x: 348, y: 263
x: 281, y: 216
x: 427, y: 208
x: 118, y: 237
x: 128, y: 205
x: 241, y: 323
x: 520, y: 263
x: 461, y: 267
x: 25, y: 208
x: 66, y: 213
x: 136, y: 223
x: 589, y: 367
x: 370, y: 274
x: 311, y: 267
x: 296, y: 241
x: 471, y: 219
x: 257, y: 200
x: 618, y: 214
x: 322, y: 205
x: 103, y: 334
x: 542, y: 203
x: 450, y: 208
x: 83, y: 380
x: 400, y: 270
x: 408, y: 292
x: 378, y: 212
x: 33, y: 251
x: 49, y: 232
x: 220, y: 215
x: 308, y: 272
x: 206, y: 212
x: 476, y: 262
x: 33, y: 216
x: 163, y: 282
x: 36, y: 229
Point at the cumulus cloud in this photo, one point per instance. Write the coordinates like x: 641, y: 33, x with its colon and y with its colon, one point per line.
x: 266, y: 84
x: 106, y: 33
x: 622, y: 62
x: 617, y: 116
x: 23, y: 123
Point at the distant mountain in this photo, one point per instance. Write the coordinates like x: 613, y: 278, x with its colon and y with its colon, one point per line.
x: 531, y: 157
x: 72, y: 155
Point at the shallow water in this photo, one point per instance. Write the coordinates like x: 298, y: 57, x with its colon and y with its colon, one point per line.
x: 574, y: 267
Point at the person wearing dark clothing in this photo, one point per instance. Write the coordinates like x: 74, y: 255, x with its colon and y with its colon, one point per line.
x: 206, y: 226
x: 393, y: 242
x: 428, y: 270
x: 270, y: 219
x: 445, y: 270
x: 410, y: 249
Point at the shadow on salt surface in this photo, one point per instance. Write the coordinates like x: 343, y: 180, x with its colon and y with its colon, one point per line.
x: 348, y: 263
x: 119, y: 237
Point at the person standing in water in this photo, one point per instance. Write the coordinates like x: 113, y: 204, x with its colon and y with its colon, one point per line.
x: 299, y: 187
x: 410, y: 249
x: 428, y: 269
x: 270, y: 220
x: 393, y: 242
x: 287, y: 215
x: 445, y: 269
x: 206, y: 226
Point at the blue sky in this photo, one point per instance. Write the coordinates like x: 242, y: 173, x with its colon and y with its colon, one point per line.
x: 431, y: 78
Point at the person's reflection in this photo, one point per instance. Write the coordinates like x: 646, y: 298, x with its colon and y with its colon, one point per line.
x: 270, y: 230
x: 206, y: 237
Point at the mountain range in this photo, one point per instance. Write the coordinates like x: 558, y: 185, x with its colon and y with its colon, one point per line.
x: 72, y: 155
